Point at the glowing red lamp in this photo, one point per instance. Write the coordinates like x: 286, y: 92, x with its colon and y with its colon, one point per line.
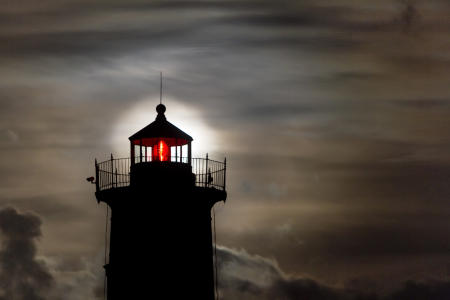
x: 160, y: 151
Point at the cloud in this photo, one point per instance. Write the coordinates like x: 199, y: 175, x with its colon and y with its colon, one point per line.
x: 8, y: 136
x: 246, y: 276
x: 26, y: 276
x: 81, y: 279
x: 22, y: 276
x: 435, y: 290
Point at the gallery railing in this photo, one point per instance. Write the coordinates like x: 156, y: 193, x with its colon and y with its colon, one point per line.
x: 115, y: 172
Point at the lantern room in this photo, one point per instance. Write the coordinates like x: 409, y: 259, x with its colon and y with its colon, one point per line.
x: 160, y: 141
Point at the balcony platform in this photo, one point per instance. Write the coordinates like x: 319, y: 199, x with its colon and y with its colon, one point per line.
x: 113, y: 178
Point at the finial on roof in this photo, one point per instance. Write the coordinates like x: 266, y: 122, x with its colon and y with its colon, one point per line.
x: 160, y: 109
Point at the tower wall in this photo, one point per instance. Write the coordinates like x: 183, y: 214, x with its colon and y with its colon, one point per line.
x: 161, y: 239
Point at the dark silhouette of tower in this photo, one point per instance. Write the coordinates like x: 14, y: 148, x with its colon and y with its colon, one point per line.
x: 160, y: 242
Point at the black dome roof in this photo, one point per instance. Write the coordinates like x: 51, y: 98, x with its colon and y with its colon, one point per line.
x: 160, y: 128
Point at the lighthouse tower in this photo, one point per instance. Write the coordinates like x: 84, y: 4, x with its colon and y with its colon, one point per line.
x: 160, y: 243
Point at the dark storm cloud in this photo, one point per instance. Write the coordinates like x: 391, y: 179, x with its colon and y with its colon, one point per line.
x: 107, y: 39
x: 91, y: 42
x: 425, y: 103
x: 245, y: 276
x: 317, y: 43
x: 416, y: 290
x: 25, y: 275
x: 22, y: 276
x: 310, y: 17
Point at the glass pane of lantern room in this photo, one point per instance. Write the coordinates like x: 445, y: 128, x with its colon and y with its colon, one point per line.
x: 136, y: 153
x: 184, y: 150
x: 172, y: 157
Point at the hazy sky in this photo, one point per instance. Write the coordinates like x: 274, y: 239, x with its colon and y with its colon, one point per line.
x: 334, y: 117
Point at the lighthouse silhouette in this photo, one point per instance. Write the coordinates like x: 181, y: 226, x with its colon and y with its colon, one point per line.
x: 160, y: 236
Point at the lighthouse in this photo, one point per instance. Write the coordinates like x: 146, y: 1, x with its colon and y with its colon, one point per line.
x: 160, y: 236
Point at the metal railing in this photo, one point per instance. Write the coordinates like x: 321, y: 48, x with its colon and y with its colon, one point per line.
x: 115, y: 172
x: 112, y: 173
x: 209, y: 173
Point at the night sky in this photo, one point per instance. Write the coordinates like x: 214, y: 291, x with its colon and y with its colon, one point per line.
x: 334, y: 117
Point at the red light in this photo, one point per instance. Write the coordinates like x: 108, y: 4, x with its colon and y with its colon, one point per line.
x: 161, y: 152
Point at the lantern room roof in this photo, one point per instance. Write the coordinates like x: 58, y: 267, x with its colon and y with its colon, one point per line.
x: 160, y: 128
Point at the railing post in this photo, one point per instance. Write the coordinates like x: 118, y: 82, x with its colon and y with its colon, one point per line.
x: 116, y: 178
x: 224, y: 172
x: 189, y: 154
x: 112, y: 171
x: 132, y: 155
x: 206, y: 171
x: 97, y: 185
